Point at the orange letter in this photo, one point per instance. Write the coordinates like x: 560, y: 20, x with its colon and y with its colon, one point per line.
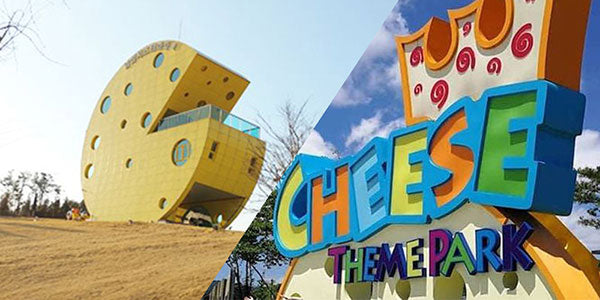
x: 337, y: 203
x: 457, y: 159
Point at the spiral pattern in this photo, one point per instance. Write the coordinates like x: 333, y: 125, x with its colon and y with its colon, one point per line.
x: 494, y: 66
x: 418, y: 88
x: 522, y: 42
x: 465, y: 59
x: 416, y: 56
x: 439, y: 93
x: 466, y: 28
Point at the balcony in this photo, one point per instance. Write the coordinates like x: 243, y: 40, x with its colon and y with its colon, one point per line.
x: 213, y: 112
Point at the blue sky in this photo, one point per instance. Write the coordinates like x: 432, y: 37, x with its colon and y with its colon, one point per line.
x: 289, y: 50
x: 369, y: 103
x: 372, y: 93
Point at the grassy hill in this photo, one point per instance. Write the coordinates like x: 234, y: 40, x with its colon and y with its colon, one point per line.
x: 54, y: 259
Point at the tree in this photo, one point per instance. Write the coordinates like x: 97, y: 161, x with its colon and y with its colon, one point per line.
x: 18, y: 23
x: 15, y: 188
x: 587, y: 192
x: 257, y: 247
x: 4, y: 205
x: 284, y: 143
x: 42, y: 184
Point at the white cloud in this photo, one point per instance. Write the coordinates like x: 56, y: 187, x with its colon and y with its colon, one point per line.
x: 587, y: 149
x: 383, y: 43
x: 587, y: 235
x: 350, y: 95
x: 377, y: 69
x: 369, y: 128
x: 316, y: 145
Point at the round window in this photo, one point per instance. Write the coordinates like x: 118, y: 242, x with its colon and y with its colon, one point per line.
x: 128, y: 89
x: 158, y: 59
x: 174, y: 75
x: 129, y: 163
x: 105, y: 105
x: 230, y: 95
x: 162, y: 203
x: 201, y: 103
x: 95, y: 142
x: 89, y: 171
x: 146, y: 119
x: 181, y: 152
x: 123, y: 124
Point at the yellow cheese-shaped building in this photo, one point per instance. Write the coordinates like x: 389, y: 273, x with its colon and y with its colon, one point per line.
x: 161, y: 140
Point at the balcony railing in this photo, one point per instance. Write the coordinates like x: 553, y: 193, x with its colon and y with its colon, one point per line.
x: 213, y: 112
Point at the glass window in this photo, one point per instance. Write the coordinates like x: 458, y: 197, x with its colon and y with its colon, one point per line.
x: 162, y: 203
x: 229, y: 95
x: 95, y: 142
x: 89, y: 171
x: 174, y: 75
x: 158, y: 59
x: 105, y: 105
x: 146, y: 120
x: 181, y: 152
x: 129, y: 163
x: 128, y: 89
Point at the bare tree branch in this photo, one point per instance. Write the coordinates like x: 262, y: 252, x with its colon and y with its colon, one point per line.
x: 19, y: 24
x: 284, y: 143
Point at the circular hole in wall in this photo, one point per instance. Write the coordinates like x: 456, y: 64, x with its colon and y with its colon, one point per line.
x: 403, y: 289
x: 186, y: 94
x: 208, y: 82
x: 123, y: 124
x: 158, y: 59
x: 95, y: 142
x: 510, y: 280
x: 128, y: 89
x: 329, y: 266
x: 201, y: 103
x: 89, y: 171
x: 174, y: 75
x: 181, y: 152
x: 358, y: 290
x: 146, y: 120
x: 162, y: 203
x: 225, y: 79
x: 204, y: 68
x: 129, y: 163
x: 105, y: 106
x: 229, y: 95
x: 452, y: 287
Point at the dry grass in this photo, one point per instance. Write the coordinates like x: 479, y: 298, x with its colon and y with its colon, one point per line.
x: 56, y: 259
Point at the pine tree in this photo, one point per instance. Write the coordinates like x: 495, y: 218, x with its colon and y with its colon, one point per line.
x: 587, y: 192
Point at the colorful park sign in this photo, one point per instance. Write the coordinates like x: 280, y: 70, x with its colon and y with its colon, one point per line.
x: 492, y: 109
x: 361, y: 265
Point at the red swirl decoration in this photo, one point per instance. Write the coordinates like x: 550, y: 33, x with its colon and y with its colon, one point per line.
x: 522, y: 42
x: 418, y: 88
x: 439, y: 93
x: 465, y: 59
x: 466, y: 28
x: 416, y: 56
x: 494, y: 66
